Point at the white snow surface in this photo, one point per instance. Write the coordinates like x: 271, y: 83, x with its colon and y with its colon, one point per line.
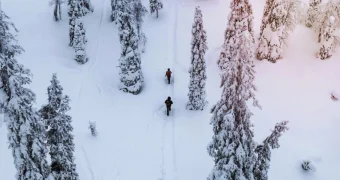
x: 135, y: 139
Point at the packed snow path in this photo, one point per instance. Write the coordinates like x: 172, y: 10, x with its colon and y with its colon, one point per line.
x: 168, y: 141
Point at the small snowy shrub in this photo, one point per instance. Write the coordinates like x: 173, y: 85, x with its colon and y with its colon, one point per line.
x: 307, y: 165
x: 93, y: 128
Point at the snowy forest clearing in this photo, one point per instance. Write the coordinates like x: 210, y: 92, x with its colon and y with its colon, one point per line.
x: 135, y: 138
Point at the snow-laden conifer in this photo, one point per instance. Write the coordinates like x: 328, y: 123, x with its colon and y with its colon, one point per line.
x: 120, y: 8
x: 139, y: 12
x: 278, y: 22
x: 76, y: 10
x: 59, y: 138
x: 314, y: 9
x: 241, y: 19
x: 59, y: 135
x: 155, y: 6
x: 88, y: 6
x: 263, y: 151
x: 232, y: 145
x: 294, y: 14
x: 131, y: 76
x: 197, y: 94
x: 114, y: 4
x: 327, y: 10
x: 271, y: 40
x: 26, y: 131
x: 79, y: 42
x: 328, y: 40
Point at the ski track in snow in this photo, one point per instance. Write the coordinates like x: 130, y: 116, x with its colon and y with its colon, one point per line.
x: 170, y: 92
x: 88, y: 162
x: 99, y: 89
x: 118, y: 171
x: 99, y: 36
x: 163, y: 144
x: 79, y: 93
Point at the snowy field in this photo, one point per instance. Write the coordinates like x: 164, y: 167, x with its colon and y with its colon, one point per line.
x: 136, y: 140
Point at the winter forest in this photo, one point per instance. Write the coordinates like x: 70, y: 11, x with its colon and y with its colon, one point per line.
x: 169, y: 89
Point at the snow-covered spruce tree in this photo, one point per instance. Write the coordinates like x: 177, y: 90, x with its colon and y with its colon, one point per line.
x: 197, y: 95
x: 57, y: 9
x: 139, y: 12
x: 76, y: 10
x: 131, y: 76
x: 331, y: 8
x: 114, y: 4
x: 59, y: 135
x: 241, y: 15
x: 271, y: 33
x: 294, y: 14
x: 155, y: 6
x: 328, y: 40
x: 312, y: 12
x: 26, y: 131
x: 79, y: 42
x: 232, y: 145
x: 88, y: 6
x: 55, y: 92
x: 119, y: 8
x: 263, y: 151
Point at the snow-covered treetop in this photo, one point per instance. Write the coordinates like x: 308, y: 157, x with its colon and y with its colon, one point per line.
x: 55, y: 92
x: 8, y: 42
x: 331, y: 19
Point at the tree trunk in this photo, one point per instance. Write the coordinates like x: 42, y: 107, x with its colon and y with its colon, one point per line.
x: 157, y: 13
x: 59, y: 13
x: 56, y: 12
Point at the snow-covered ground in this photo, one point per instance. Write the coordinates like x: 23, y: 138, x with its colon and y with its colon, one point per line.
x: 136, y: 140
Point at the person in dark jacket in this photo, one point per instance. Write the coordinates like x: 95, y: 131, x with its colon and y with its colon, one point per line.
x: 168, y: 104
x: 168, y: 75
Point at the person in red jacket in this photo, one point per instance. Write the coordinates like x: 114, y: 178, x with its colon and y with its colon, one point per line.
x: 168, y: 75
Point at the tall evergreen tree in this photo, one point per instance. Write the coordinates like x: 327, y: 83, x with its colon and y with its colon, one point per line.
x: 76, y: 10
x: 131, y: 75
x: 278, y: 22
x: 242, y: 14
x: 114, y: 4
x: 312, y: 12
x: 139, y: 12
x: 155, y: 6
x: 271, y: 32
x: 232, y: 145
x: 263, y: 151
x: 57, y: 9
x: 197, y: 95
x: 119, y: 8
x: 59, y: 135
x: 88, y: 6
x: 26, y: 132
x: 328, y: 40
x: 79, y: 42
x: 321, y: 22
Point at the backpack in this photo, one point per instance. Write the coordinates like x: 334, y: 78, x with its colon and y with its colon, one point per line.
x: 168, y: 73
